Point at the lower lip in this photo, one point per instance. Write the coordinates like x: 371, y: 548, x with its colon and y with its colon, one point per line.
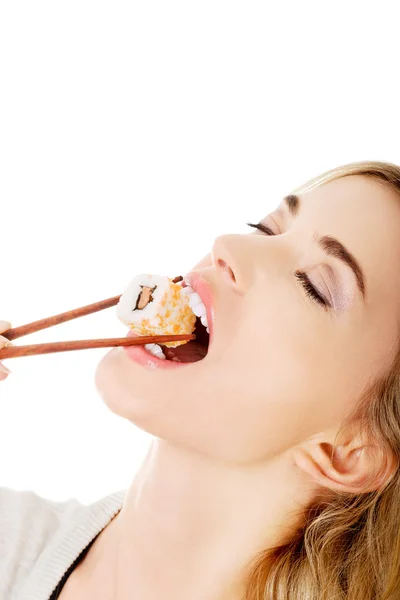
x: 141, y: 357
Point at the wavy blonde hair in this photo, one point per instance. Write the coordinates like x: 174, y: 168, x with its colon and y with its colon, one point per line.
x: 349, y: 547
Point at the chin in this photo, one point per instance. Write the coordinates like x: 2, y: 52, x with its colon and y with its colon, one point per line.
x: 145, y: 397
x: 119, y: 389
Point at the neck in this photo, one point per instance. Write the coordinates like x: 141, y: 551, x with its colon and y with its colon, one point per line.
x: 189, y: 528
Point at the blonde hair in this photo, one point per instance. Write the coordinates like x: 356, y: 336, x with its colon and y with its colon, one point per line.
x: 349, y: 546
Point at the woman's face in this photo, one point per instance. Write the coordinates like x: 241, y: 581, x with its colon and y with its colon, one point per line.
x: 281, y: 366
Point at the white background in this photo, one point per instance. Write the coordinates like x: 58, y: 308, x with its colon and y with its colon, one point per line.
x: 131, y: 135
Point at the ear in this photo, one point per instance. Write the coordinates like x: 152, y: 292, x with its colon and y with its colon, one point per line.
x: 355, y: 466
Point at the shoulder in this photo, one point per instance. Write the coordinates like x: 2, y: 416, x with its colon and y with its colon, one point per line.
x: 29, y: 514
x: 41, y: 538
x: 27, y: 524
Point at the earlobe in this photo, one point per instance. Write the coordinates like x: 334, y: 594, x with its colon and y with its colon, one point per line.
x: 352, y: 468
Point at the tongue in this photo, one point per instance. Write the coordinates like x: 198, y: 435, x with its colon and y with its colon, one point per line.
x: 190, y: 352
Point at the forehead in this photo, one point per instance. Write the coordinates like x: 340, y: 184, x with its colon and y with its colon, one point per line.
x: 364, y: 214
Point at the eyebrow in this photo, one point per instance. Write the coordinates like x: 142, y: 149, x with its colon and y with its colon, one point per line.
x: 331, y: 246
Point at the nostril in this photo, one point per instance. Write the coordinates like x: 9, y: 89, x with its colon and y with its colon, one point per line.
x: 227, y: 270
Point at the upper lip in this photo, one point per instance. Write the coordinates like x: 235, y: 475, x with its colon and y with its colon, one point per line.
x: 203, y: 289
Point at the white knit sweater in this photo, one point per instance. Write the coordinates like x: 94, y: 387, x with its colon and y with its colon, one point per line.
x: 40, y: 539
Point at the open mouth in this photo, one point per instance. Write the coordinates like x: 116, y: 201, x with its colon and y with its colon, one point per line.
x: 192, y: 351
x: 197, y: 349
x: 199, y: 294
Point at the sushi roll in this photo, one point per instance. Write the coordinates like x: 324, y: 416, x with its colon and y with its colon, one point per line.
x: 155, y: 305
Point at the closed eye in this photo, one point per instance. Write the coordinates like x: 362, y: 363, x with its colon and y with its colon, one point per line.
x: 303, y: 277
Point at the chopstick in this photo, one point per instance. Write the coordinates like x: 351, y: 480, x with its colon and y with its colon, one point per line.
x: 13, y: 334
x: 33, y: 349
x: 17, y: 332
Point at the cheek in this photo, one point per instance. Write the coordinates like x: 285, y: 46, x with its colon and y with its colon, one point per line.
x: 265, y: 392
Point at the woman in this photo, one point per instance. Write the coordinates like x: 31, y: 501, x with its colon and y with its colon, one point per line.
x: 274, y: 468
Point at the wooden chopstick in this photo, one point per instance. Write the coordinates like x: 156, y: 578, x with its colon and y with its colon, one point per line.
x: 32, y: 349
x: 17, y: 332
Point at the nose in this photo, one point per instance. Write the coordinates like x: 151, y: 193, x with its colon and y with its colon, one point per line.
x: 243, y: 260
x: 235, y: 260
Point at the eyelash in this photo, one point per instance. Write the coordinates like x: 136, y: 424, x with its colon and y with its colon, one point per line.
x: 303, y: 277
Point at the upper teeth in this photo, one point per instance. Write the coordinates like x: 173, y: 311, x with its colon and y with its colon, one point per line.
x: 155, y: 350
x: 197, y: 305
